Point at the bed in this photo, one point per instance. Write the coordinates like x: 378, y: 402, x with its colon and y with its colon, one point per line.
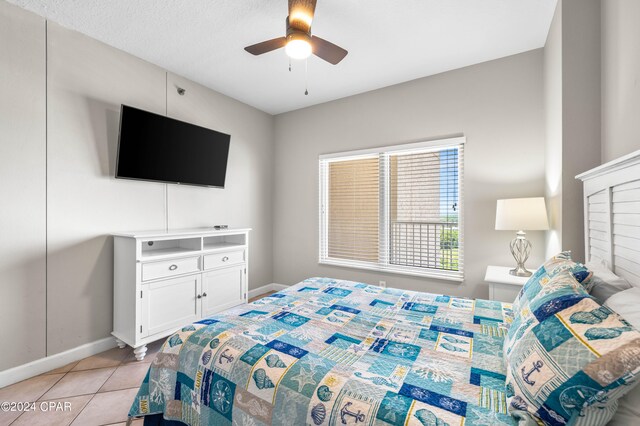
x: 334, y: 352
x: 612, y: 215
x: 327, y: 351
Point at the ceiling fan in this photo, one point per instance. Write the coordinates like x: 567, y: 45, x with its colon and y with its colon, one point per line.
x: 299, y: 43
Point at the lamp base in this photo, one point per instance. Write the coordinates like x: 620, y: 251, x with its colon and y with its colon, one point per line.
x: 520, y: 249
x: 520, y: 272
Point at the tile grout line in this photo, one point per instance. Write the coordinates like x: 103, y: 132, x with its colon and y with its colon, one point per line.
x: 95, y: 393
x: 115, y: 390
x: 83, y: 408
x: 101, y: 368
x: 47, y: 390
x: 102, y: 385
x: 63, y: 376
x: 89, y: 402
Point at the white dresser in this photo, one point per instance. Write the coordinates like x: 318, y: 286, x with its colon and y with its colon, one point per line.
x: 166, y: 280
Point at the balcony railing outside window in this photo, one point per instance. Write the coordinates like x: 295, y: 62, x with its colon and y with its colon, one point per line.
x: 432, y: 245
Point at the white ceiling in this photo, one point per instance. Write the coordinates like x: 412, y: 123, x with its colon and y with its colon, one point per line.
x: 389, y: 41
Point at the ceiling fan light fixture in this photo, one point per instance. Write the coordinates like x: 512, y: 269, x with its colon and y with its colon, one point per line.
x: 298, y: 46
x: 298, y: 41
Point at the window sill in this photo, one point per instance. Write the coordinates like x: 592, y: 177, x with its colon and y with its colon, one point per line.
x: 399, y: 270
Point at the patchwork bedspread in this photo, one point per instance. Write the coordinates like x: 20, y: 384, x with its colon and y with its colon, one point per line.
x: 327, y: 352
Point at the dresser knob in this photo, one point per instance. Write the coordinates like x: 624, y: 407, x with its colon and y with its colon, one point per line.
x: 224, y: 259
x: 204, y: 294
x: 199, y: 297
x: 173, y: 267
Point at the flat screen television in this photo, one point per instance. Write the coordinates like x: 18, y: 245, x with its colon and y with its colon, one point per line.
x: 157, y: 148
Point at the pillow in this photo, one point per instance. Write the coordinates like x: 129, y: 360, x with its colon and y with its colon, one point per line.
x: 570, y: 358
x: 628, y: 413
x: 605, y: 283
x: 626, y: 304
x: 558, y: 263
x: 558, y: 290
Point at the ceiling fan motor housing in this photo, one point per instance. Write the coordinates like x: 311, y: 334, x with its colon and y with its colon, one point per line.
x: 296, y: 33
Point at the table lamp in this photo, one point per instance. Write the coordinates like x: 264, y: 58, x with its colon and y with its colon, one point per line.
x: 521, y: 214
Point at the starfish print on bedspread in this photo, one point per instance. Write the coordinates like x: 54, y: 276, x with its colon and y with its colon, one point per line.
x: 484, y: 418
x: 313, y: 363
x: 303, y: 378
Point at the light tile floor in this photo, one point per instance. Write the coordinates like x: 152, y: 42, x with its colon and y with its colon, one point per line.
x: 99, y: 390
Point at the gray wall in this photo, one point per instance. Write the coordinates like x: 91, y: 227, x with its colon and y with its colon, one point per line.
x: 572, y: 111
x: 497, y: 105
x: 86, y: 83
x: 553, y: 130
x: 22, y: 188
x: 580, y: 112
x: 248, y: 195
x: 620, y: 78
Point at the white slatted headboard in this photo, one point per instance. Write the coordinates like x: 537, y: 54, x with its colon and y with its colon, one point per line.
x: 612, y: 215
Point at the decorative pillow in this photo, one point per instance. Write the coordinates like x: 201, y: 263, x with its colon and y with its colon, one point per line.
x: 626, y: 304
x: 558, y: 263
x: 552, y: 267
x: 559, y: 291
x: 569, y: 359
x: 605, y: 283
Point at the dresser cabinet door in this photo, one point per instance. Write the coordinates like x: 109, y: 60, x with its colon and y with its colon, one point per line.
x: 170, y: 304
x: 224, y: 288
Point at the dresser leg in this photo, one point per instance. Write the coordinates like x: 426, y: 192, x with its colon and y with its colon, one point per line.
x: 120, y: 343
x: 140, y: 352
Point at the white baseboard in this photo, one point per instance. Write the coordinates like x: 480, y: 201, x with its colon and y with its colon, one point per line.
x: 42, y: 365
x: 39, y: 366
x: 265, y: 289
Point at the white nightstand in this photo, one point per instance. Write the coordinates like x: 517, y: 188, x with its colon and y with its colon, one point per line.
x: 502, y: 285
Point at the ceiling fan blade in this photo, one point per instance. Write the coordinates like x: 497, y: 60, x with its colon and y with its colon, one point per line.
x: 266, y: 46
x: 326, y: 50
x: 301, y: 14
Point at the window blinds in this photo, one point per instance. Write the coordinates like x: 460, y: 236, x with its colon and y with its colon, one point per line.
x: 424, y: 210
x: 354, y: 193
x: 395, y: 209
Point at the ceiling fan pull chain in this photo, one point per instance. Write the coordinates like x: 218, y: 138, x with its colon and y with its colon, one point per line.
x: 306, y: 77
x: 289, y: 64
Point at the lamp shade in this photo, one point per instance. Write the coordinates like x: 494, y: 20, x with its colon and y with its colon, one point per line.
x: 521, y: 214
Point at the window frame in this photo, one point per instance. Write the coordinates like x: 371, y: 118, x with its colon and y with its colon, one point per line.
x: 383, y: 154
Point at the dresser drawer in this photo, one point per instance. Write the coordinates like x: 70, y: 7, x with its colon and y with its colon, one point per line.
x: 169, y: 268
x: 223, y: 259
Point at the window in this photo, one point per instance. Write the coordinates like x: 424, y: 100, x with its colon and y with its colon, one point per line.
x: 395, y: 209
